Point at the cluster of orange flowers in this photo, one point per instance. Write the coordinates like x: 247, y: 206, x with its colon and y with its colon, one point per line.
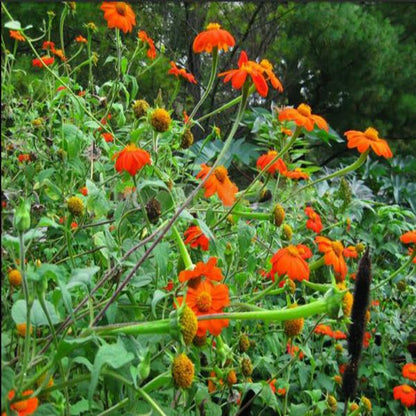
x: 196, y: 238
x: 23, y: 407
x: 405, y: 393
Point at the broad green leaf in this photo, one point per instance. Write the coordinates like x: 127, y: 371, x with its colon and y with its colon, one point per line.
x: 157, y: 297
x: 7, y: 382
x: 37, y: 315
x: 13, y: 25
x: 73, y: 138
x: 161, y: 255
x: 245, y: 234
x: 80, y: 277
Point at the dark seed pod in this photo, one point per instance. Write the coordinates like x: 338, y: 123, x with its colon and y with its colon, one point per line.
x: 154, y: 210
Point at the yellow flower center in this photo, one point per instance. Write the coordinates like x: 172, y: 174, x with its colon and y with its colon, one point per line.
x: 121, y: 8
x: 305, y: 110
x: 406, y: 388
x: 266, y: 65
x: 272, y: 153
x: 221, y: 173
x: 372, y: 134
x: 293, y: 250
x: 22, y: 405
x: 204, y: 301
x: 130, y: 147
x: 337, y: 247
x: 213, y: 26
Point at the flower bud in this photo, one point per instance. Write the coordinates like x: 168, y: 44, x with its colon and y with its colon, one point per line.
x: 21, y: 218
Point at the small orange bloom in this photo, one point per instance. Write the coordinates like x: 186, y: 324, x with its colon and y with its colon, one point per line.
x: 286, y: 132
x: 151, y: 51
x: 409, y: 371
x: 74, y: 225
x: 169, y: 286
x: 267, y: 68
x: 406, y: 394
x: 15, y: 34
x: 293, y: 349
x: 23, y: 407
x: 314, y: 222
x: 350, y: 251
x: 196, y: 238
x: 24, y: 157
x: 409, y: 237
x: 84, y: 191
x: 59, y: 53
x: 174, y: 70
x: 213, y: 37
x: 61, y: 88
x: 303, y: 117
x: 48, y: 45
x: 218, y: 183
x: 81, y: 39
x: 238, y: 76
x: 369, y: 138
x: 118, y: 15
x: 410, y: 252
x: 333, y: 255
x: 47, y: 60
x: 108, y: 137
x: 290, y: 261
x: 207, y: 270
x: 206, y: 299
x: 81, y: 93
x: 131, y: 159
x: 278, y: 165
x: 323, y: 330
x: 296, y: 174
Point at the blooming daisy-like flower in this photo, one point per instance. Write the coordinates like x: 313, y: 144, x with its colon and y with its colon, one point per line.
x: 409, y: 237
x: 119, y: 15
x: 369, y: 138
x: 290, y: 261
x: 131, y: 159
x: 323, y: 330
x: 270, y: 76
x: 278, y: 165
x: 218, y: 183
x: 48, y: 45
x: 151, y: 51
x: 47, y: 60
x: 314, y: 222
x: 196, y: 238
x: 17, y: 35
x: 296, y: 174
x: 409, y: 371
x: 406, y: 394
x: 59, y: 53
x: 303, y: 117
x: 350, y: 251
x: 23, y: 407
x: 207, y: 299
x: 333, y: 256
x: 213, y: 37
x: 81, y: 39
x: 207, y: 270
x: 174, y: 70
x: 108, y: 137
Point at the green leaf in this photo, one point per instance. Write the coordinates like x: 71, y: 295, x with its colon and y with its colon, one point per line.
x: 97, y: 200
x: 37, y: 315
x: 72, y: 139
x: 83, y: 276
x: 153, y: 183
x: 245, y: 233
x: 124, y: 62
x: 157, y: 297
x: 48, y: 222
x: 46, y: 410
x: 114, y: 355
x: 7, y: 382
x: 161, y: 255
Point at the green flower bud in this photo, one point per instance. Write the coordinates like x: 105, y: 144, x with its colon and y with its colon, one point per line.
x: 21, y: 218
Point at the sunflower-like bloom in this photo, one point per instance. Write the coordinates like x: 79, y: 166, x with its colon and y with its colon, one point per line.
x: 296, y: 174
x: 207, y: 299
x: 151, y: 51
x: 218, y: 183
x: 409, y: 371
x: 290, y: 261
x: 15, y: 34
x: 257, y: 73
x: 47, y: 60
x: 314, y: 222
x: 333, y: 256
x: 174, y: 70
x: 23, y: 407
x: 303, y: 117
x: 409, y: 237
x: 406, y: 394
x: 369, y: 138
x: 207, y: 270
x: 213, y: 37
x: 196, y: 238
x: 119, y: 15
x: 278, y: 165
x: 131, y: 159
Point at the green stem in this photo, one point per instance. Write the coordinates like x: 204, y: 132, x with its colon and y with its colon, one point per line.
x: 317, y: 264
x: 319, y: 287
x: 264, y: 292
x: 61, y: 32
x: 117, y: 406
x: 175, y: 94
x: 162, y: 326
x: 182, y: 249
x: 219, y: 109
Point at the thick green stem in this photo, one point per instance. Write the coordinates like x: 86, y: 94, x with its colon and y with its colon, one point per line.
x: 162, y: 326
x: 182, y: 249
x: 317, y: 264
x: 220, y: 109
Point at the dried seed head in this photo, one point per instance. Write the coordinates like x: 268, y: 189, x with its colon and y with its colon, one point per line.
x: 246, y: 367
x: 153, y: 210
x: 182, y: 371
x: 278, y: 215
x: 160, y: 120
x: 187, y: 139
x: 188, y: 324
x: 140, y: 108
x: 243, y: 343
x: 293, y: 327
x: 75, y: 205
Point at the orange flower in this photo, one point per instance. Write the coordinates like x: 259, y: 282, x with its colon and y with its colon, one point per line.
x: 131, y: 159
x: 339, y: 335
x: 303, y: 117
x: 293, y: 349
x: 118, y: 15
x: 333, y: 256
x: 59, y: 53
x: 350, y: 251
x: 245, y: 67
x: 409, y: 371
x: 74, y: 225
x: 218, y: 183
x: 24, y: 157
x: 278, y: 165
x: 314, y: 222
x: 81, y: 39
x: 213, y: 37
x: 23, y: 407
x: 207, y: 270
x: 81, y: 93
x: 15, y: 34
x: 410, y: 254
x: 323, y: 330
x: 290, y: 261
x: 369, y: 138
x: 406, y: 394
x: 174, y: 70
x: 268, y: 71
x: 84, y: 191
x: 48, y: 45
x: 151, y: 51
x: 409, y: 237
x: 169, y: 286
x: 196, y: 238
x: 296, y: 174
x: 61, y: 88
x: 47, y: 60
x: 206, y: 299
x: 108, y: 137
